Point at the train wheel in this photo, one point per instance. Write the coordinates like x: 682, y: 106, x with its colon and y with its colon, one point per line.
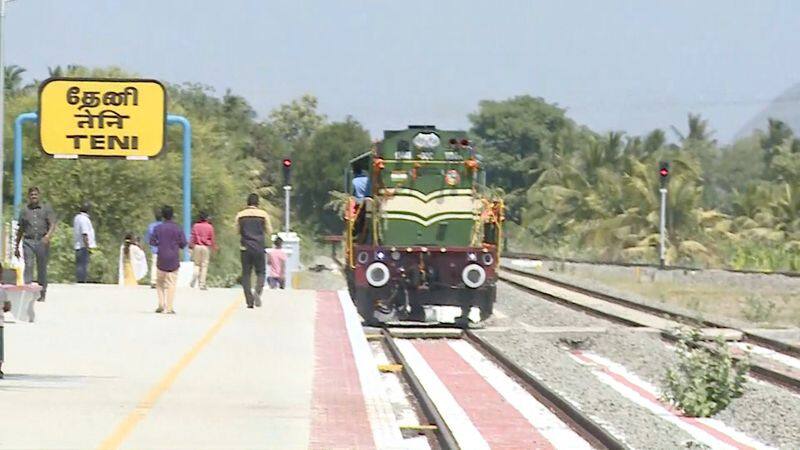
x: 487, y: 302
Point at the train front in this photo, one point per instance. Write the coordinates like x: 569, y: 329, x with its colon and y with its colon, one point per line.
x: 427, y: 236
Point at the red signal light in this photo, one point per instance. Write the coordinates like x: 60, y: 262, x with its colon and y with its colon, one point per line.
x: 664, y: 172
x: 464, y: 143
x: 287, y: 162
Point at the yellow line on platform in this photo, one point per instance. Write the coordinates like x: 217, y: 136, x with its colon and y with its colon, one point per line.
x: 115, y: 439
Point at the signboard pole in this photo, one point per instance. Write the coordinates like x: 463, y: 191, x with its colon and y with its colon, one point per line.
x: 187, y: 166
x: 187, y: 175
x: 21, y: 119
x: 2, y: 115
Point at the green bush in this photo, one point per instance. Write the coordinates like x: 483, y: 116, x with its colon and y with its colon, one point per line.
x: 756, y: 309
x: 706, y: 378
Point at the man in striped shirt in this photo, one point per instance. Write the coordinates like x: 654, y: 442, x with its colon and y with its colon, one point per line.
x: 253, y: 224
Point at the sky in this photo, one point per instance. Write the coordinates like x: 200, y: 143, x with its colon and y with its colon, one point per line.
x: 621, y: 65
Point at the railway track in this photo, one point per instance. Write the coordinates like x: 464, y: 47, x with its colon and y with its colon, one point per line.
x: 533, y: 412
x: 771, y: 359
x: 457, y: 380
x: 522, y: 255
x: 567, y: 428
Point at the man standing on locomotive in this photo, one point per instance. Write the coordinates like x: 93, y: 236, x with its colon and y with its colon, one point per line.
x: 361, y: 185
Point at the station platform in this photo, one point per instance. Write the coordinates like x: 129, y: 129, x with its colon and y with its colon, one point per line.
x: 100, y: 369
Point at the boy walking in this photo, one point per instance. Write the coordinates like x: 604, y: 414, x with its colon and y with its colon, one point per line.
x: 277, y: 266
x: 169, y: 239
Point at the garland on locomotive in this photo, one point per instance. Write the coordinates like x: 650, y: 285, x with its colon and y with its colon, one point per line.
x: 420, y: 229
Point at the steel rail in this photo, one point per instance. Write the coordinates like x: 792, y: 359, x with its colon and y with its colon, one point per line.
x: 523, y: 255
x: 760, y: 371
x: 443, y: 434
x: 764, y: 341
x: 581, y: 423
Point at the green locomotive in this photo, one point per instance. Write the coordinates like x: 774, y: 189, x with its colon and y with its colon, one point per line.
x: 422, y: 230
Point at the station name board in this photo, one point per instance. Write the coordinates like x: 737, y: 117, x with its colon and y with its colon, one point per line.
x: 102, y: 117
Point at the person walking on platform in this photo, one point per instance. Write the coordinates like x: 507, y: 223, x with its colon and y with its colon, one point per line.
x: 132, y: 262
x: 37, y: 222
x: 83, y: 232
x: 253, y: 223
x: 6, y: 307
x: 169, y: 239
x: 201, y: 242
x: 277, y: 266
x: 153, y: 249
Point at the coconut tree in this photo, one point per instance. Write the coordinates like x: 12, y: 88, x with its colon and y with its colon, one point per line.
x: 13, y: 77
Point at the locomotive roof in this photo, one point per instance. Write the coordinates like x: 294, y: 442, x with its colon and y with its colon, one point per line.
x: 422, y: 140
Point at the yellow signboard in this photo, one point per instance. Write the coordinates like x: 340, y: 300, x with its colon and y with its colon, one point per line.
x: 102, y: 117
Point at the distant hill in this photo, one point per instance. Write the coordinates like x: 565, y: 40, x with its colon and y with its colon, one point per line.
x: 785, y: 107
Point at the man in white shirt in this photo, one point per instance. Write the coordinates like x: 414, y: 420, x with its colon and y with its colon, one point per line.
x: 83, y: 232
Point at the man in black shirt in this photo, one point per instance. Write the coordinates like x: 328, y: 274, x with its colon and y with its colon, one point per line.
x: 253, y: 223
x: 37, y: 222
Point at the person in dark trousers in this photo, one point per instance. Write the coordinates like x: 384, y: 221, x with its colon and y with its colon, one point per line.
x: 37, y: 222
x: 83, y: 232
x: 169, y: 239
x: 6, y: 306
x: 253, y: 224
x: 153, y: 249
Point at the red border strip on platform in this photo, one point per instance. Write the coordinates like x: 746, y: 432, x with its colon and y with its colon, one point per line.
x: 338, y: 412
x: 500, y: 424
x: 717, y: 434
x: 24, y: 287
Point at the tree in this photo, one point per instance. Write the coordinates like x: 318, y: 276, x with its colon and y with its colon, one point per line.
x: 777, y: 133
x: 297, y: 120
x: 518, y: 138
x: 319, y: 168
x: 13, y: 79
x: 123, y: 193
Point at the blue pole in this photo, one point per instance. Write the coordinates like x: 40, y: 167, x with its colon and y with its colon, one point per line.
x: 21, y: 119
x: 187, y: 167
x: 187, y: 175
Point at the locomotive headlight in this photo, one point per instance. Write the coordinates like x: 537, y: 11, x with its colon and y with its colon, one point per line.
x: 362, y: 257
x: 488, y: 259
x: 473, y: 276
x: 426, y: 140
x: 472, y: 257
x: 380, y: 255
x: 378, y: 274
x: 395, y: 255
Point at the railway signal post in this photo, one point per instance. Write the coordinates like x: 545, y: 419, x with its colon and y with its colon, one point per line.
x: 291, y: 241
x: 663, y: 173
x: 287, y: 188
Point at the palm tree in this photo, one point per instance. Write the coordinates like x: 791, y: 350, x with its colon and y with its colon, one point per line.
x: 13, y: 79
x: 777, y: 133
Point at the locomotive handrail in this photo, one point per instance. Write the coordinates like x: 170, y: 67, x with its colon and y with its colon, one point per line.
x: 359, y: 157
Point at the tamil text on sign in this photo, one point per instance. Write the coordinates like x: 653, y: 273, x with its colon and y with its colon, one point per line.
x: 102, y: 117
